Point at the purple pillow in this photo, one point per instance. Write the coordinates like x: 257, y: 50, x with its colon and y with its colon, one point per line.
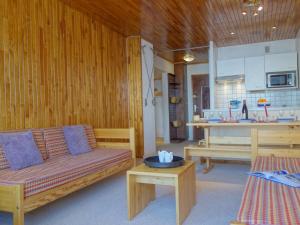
x: 76, y: 140
x: 20, y: 150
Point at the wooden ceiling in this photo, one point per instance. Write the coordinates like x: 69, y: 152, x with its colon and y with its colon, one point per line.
x: 173, y: 24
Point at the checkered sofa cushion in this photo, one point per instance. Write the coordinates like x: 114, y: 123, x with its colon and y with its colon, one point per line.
x: 55, y: 142
x: 60, y: 170
x: 38, y: 138
x: 271, y: 203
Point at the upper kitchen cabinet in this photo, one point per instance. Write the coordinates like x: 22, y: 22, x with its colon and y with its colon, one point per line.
x: 281, y: 62
x: 230, y: 67
x: 255, y: 78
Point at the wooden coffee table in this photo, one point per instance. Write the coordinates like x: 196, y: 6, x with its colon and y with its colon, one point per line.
x: 141, y: 182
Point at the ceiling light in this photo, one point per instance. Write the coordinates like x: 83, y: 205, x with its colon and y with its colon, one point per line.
x: 252, y: 7
x: 188, y: 57
x: 274, y: 27
x: 232, y: 33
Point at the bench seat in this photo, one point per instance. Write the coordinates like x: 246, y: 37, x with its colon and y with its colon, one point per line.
x: 58, y: 171
x: 266, y: 202
x: 221, y: 151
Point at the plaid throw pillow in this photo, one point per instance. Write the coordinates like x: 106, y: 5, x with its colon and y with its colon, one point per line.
x: 55, y: 142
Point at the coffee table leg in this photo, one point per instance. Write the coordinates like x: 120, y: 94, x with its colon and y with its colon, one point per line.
x: 185, y: 188
x: 138, y: 195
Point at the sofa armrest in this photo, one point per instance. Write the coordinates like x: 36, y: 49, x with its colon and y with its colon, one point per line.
x: 122, y: 138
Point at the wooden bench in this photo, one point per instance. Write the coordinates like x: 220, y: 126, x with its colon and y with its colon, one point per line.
x: 12, y: 195
x: 263, y: 141
x: 240, y: 152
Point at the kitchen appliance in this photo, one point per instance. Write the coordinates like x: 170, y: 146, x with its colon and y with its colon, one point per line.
x: 282, y: 79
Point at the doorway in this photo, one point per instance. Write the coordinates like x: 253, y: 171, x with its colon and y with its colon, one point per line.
x: 201, y: 99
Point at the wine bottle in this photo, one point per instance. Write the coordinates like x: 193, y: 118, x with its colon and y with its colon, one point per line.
x: 245, y: 110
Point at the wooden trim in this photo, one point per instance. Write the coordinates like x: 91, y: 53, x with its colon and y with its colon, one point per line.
x: 113, y: 145
x: 219, y: 153
x: 254, y: 143
x: 206, y: 136
x: 135, y: 83
x: 236, y: 223
x: 105, y: 133
x: 230, y: 140
x: 117, y: 134
x: 279, y: 152
x: 12, y: 200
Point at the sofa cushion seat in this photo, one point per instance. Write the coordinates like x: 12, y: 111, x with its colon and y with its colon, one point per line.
x: 58, y: 171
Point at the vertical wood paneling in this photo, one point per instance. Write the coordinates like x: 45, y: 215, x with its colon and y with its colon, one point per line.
x: 134, y: 71
x: 59, y: 66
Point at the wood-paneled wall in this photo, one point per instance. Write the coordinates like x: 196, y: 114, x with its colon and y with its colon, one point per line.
x: 134, y: 71
x: 59, y: 66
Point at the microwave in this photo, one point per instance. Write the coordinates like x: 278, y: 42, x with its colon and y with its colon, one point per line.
x: 282, y: 79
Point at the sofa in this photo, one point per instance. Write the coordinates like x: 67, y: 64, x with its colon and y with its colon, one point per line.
x: 61, y: 173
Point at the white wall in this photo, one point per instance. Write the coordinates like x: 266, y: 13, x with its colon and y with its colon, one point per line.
x: 165, y: 109
x: 212, y: 59
x: 298, y: 49
x: 191, y: 70
x: 163, y: 65
x: 161, y: 107
x: 149, y: 109
x: 256, y: 49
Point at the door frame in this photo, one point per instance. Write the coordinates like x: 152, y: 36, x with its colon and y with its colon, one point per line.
x: 190, y: 100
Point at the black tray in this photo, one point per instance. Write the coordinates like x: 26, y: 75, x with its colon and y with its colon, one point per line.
x: 153, y: 161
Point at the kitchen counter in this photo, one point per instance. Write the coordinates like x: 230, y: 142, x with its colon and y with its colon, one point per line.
x: 227, y: 141
x: 289, y: 124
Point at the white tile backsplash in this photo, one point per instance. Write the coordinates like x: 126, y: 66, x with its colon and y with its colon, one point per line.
x: 237, y: 91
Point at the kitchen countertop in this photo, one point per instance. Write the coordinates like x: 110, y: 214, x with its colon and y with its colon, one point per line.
x: 255, y: 109
x: 297, y: 123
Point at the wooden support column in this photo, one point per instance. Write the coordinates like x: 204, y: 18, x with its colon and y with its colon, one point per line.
x: 254, y: 143
x: 134, y: 71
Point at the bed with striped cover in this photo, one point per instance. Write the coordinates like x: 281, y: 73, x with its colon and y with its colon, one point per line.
x: 270, y: 203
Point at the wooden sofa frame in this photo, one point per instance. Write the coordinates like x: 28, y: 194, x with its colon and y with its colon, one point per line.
x: 12, y: 195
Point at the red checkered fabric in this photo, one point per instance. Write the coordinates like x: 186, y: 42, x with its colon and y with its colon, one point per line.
x: 270, y: 203
x: 39, y: 140
x: 3, y: 161
x: 90, y: 136
x: 60, y: 170
x: 55, y: 142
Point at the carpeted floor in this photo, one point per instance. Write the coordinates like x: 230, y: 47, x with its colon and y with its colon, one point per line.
x: 218, y: 198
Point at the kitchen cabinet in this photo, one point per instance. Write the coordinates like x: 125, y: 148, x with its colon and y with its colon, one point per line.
x: 281, y: 62
x: 255, y: 78
x: 230, y: 67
